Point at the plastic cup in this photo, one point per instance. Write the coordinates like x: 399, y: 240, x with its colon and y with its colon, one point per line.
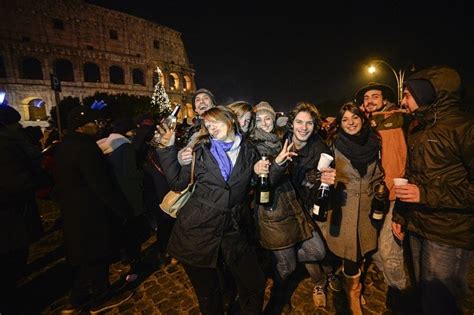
x: 400, y: 181
x: 324, y: 161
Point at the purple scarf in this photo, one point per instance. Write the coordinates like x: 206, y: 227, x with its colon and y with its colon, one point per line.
x: 218, y: 150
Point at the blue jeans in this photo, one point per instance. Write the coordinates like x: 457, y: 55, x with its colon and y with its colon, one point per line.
x: 310, y: 251
x: 389, y: 256
x: 441, y: 272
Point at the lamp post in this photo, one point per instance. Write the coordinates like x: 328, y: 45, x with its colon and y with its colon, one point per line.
x: 399, y: 76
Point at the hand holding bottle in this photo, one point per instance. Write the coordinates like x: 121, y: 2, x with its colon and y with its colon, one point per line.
x: 262, y: 167
x: 263, y: 191
x: 167, y: 135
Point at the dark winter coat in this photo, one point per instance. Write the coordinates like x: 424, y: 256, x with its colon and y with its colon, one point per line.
x: 20, y: 223
x: 88, y: 197
x: 441, y: 164
x: 210, y: 224
x: 122, y: 157
x: 287, y: 224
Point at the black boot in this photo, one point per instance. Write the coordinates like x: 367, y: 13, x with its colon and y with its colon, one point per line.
x: 403, y: 302
x: 280, y: 296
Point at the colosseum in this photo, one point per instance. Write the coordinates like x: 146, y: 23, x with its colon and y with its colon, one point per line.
x: 90, y: 49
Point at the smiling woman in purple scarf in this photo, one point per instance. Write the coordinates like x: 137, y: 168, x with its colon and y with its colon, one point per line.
x: 210, y: 229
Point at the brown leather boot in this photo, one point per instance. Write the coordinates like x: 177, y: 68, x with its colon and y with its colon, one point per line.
x: 353, y: 289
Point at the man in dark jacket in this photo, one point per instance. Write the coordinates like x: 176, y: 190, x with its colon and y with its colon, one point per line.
x: 202, y: 101
x: 438, y: 202
x: 89, y: 202
x: 20, y: 223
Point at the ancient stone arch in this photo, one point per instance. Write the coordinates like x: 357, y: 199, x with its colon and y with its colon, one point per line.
x: 36, y: 108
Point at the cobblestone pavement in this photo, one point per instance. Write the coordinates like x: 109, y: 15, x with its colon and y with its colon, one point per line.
x: 164, y: 289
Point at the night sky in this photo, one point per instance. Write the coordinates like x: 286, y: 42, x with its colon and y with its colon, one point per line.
x: 253, y: 53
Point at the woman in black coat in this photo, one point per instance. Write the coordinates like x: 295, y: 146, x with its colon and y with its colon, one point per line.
x: 209, y: 229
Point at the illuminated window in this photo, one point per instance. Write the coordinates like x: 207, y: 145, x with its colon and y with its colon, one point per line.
x: 173, y: 81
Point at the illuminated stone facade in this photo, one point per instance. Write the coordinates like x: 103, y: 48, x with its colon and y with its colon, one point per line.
x: 91, y: 49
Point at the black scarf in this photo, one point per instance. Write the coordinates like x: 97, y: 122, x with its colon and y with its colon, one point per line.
x: 361, y: 149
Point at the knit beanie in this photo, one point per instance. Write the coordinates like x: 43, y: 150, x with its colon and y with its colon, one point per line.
x: 266, y: 108
x: 9, y: 115
x: 422, y: 91
x: 205, y: 91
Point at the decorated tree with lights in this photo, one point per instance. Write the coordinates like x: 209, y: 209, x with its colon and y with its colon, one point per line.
x: 160, y: 102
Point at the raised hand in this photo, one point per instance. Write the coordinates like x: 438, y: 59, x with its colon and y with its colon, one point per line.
x: 286, y: 154
x: 167, y: 135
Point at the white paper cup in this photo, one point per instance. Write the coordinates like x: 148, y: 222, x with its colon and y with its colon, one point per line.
x: 400, y: 181
x: 324, y: 161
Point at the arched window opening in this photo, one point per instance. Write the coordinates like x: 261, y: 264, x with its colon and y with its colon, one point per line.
x: 116, y: 75
x: 187, y: 83
x: 30, y: 68
x: 173, y: 81
x: 91, y: 72
x: 64, y: 70
x: 37, y: 109
x: 138, y: 77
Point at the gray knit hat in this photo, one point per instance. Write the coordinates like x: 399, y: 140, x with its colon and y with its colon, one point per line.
x: 265, y: 107
x: 205, y: 91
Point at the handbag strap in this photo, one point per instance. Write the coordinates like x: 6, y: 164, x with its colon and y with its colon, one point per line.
x: 157, y: 167
x: 192, y: 168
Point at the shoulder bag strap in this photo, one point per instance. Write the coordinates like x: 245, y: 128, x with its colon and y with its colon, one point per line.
x: 192, y: 168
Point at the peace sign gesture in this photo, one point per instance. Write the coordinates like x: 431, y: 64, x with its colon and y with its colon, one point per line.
x: 286, y: 154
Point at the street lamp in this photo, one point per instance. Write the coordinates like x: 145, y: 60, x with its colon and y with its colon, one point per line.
x: 399, y: 76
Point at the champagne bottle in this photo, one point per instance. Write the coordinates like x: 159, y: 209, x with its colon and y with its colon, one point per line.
x: 171, y: 120
x: 320, y: 207
x: 378, y: 207
x: 263, y: 188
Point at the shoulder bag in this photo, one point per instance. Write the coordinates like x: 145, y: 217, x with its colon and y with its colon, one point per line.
x: 175, y: 200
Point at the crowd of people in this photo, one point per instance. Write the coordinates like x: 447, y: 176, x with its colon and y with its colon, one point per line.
x: 109, y: 188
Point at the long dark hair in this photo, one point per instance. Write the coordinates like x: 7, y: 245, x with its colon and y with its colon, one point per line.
x: 352, y: 108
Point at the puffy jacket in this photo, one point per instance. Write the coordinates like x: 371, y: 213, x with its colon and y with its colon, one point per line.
x: 441, y: 164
